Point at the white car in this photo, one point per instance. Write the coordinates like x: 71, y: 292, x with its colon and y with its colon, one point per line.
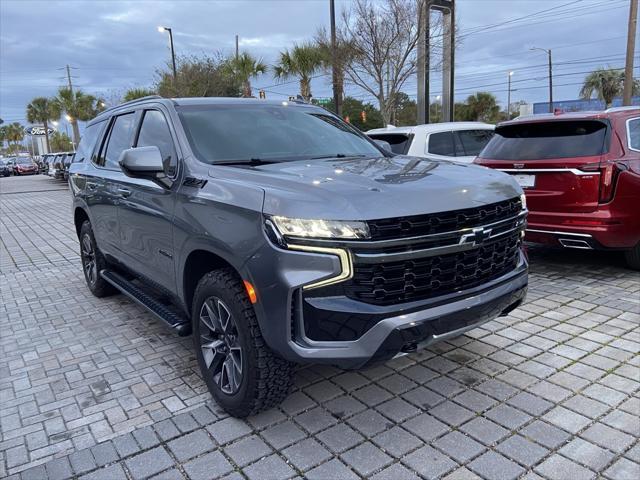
x: 457, y: 141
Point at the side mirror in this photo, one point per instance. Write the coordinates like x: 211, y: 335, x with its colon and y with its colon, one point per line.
x: 142, y: 162
x: 383, y: 144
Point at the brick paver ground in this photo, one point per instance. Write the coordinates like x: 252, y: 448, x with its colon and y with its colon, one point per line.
x: 98, y: 389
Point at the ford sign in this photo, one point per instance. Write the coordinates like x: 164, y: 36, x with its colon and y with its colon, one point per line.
x: 36, y: 131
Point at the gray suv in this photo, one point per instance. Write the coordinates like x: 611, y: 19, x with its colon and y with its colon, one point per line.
x: 278, y: 234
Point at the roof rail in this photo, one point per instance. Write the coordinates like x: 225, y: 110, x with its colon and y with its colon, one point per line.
x: 622, y: 109
x: 131, y: 102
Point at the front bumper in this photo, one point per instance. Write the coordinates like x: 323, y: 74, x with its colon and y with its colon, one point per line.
x: 405, y: 328
x: 279, y: 275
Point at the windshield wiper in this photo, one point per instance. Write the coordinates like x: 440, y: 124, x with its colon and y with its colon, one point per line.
x: 340, y: 155
x: 250, y: 161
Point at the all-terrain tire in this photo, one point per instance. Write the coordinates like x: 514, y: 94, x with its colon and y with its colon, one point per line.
x: 633, y: 257
x: 266, y: 378
x: 98, y: 285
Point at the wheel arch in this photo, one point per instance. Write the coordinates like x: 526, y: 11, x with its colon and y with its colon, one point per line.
x: 198, y: 263
x: 79, y: 217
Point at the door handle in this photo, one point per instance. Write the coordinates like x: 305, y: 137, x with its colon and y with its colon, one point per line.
x: 123, y: 192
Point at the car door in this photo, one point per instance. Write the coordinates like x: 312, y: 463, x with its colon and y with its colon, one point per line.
x: 105, y: 183
x: 146, y: 207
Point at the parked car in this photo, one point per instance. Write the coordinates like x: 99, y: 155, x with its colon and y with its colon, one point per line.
x: 43, y: 166
x: 56, y: 169
x: 581, y: 175
x: 66, y: 161
x: 456, y: 141
x: 283, y: 235
x: 24, y: 166
x: 5, y: 168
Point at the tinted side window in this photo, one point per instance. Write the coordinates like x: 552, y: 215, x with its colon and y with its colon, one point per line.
x: 399, y: 142
x: 473, y: 141
x: 441, y: 144
x: 120, y: 139
x: 88, y: 142
x: 155, y: 132
x: 633, y: 131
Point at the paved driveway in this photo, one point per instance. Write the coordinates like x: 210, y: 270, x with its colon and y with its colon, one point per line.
x: 99, y: 389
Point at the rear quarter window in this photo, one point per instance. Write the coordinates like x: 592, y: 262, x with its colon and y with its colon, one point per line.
x: 633, y: 134
x: 548, y: 140
x: 441, y: 143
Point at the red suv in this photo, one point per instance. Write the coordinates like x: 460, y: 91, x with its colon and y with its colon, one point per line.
x: 581, y: 175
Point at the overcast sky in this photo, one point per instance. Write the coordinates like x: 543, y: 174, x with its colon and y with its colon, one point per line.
x: 115, y: 45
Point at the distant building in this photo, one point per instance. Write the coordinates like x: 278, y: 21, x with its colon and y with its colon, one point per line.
x: 579, y: 105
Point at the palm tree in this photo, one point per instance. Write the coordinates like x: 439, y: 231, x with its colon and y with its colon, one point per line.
x: 303, y: 62
x: 78, y: 106
x: 134, y: 93
x: 14, y: 133
x: 243, y: 68
x: 43, y: 109
x: 606, y: 83
x: 483, y: 107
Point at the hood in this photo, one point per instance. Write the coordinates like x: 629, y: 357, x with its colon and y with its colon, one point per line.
x: 371, y: 188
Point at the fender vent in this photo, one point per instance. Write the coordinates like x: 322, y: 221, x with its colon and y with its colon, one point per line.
x: 194, y: 182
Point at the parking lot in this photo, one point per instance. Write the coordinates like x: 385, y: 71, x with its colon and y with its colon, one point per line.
x: 100, y: 389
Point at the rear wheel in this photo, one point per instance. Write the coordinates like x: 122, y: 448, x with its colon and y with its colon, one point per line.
x: 242, y: 373
x: 633, y: 257
x: 93, y: 262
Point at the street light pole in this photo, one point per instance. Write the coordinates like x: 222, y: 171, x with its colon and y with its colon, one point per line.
x: 509, y: 97
x: 173, y: 53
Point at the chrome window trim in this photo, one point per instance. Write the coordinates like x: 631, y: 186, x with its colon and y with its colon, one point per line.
x: 629, y: 120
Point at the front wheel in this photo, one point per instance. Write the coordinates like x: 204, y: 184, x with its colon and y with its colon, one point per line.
x: 242, y: 373
x: 633, y: 257
x: 93, y: 262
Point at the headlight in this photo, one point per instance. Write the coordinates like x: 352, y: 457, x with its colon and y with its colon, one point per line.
x: 523, y: 200
x: 299, y: 227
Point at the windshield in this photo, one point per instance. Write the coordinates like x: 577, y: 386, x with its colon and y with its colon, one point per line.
x: 24, y: 161
x: 228, y: 133
x: 547, y: 140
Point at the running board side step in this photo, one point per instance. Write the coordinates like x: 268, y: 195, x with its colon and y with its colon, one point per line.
x: 177, y: 322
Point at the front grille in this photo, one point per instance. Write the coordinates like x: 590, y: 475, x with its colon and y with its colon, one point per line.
x: 413, y: 226
x: 422, y: 278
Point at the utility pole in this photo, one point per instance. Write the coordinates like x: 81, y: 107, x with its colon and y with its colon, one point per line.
x: 509, y: 97
x: 237, y: 47
x: 74, y: 121
x: 631, y: 45
x: 550, y: 83
x: 69, y: 79
x: 423, y: 102
x: 335, y: 73
x: 548, y: 52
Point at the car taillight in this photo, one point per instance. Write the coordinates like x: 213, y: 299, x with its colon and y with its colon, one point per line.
x: 608, y: 175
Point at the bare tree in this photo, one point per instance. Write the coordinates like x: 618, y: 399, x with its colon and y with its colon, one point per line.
x: 383, y: 37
